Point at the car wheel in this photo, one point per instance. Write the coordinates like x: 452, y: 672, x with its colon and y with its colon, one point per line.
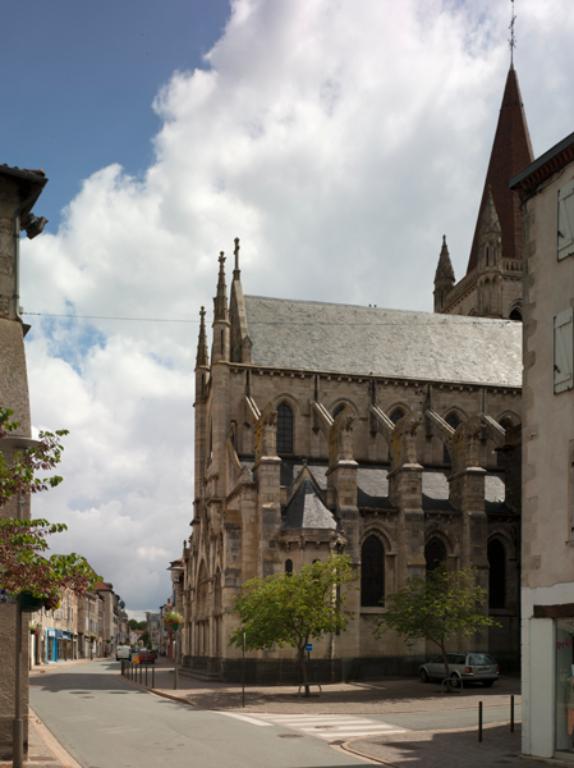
x: 424, y: 676
x: 488, y: 683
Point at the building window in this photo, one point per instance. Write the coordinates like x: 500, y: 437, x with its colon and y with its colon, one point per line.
x: 288, y: 567
x: 284, y: 429
x: 372, y: 572
x: 453, y: 420
x: 396, y: 414
x: 566, y: 221
x: 516, y: 314
x: 338, y: 409
x: 496, y: 574
x: 435, y: 553
x: 564, y: 350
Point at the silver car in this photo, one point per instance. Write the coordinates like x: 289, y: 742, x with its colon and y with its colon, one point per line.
x: 470, y: 667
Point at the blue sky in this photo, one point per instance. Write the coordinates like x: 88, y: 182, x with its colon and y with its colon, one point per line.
x: 338, y: 140
x: 83, y: 77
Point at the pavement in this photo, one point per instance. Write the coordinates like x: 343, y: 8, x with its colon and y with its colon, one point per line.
x: 411, y: 749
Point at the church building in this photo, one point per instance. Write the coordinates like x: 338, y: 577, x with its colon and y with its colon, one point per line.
x: 391, y: 436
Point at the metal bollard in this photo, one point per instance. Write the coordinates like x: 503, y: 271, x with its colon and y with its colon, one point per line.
x: 512, y: 713
x: 146, y: 675
x: 480, y: 720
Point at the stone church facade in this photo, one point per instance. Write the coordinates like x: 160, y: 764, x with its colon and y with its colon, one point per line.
x: 391, y: 436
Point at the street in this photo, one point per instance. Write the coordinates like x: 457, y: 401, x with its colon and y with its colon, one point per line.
x: 105, y: 722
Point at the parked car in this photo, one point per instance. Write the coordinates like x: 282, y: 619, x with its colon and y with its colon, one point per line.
x: 469, y: 667
x: 145, y: 655
x: 123, y: 652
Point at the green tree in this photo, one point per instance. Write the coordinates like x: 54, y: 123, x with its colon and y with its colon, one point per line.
x: 291, y: 610
x: 24, y: 568
x: 440, y: 607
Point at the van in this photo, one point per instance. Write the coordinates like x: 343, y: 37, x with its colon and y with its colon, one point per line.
x: 123, y: 652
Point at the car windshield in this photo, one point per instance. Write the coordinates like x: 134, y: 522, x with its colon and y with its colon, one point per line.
x: 480, y: 660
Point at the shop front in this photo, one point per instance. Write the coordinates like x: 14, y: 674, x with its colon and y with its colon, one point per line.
x: 564, y: 685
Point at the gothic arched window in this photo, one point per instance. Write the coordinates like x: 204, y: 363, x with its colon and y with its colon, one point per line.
x: 396, y: 414
x: 284, y: 429
x: 496, y: 574
x: 288, y: 567
x: 516, y: 314
x: 453, y: 420
x: 337, y: 410
x: 435, y: 553
x: 372, y: 572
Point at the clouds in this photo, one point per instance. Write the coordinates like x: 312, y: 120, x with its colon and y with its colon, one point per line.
x: 339, y: 140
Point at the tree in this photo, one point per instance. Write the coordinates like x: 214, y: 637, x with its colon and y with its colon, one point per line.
x: 443, y: 606
x: 293, y: 609
x: 24, y: 569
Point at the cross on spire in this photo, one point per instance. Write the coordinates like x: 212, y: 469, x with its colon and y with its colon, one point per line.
x: 512, y: 39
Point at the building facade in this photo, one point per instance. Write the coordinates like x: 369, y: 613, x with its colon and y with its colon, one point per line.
x: 391, y: 436
x: 19, y: 190
x: 546, y: 188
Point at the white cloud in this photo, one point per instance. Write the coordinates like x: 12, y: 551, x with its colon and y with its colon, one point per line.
x: 339, y: 140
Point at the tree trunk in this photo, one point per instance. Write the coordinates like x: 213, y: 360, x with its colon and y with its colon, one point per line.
x: 304, y: 671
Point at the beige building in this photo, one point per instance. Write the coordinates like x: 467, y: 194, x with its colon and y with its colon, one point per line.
x: 19, y: 190
x: 546, y: 188
x: 391, y: 436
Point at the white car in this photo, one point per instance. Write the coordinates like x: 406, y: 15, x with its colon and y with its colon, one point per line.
x: 123, y: 652
x: 466, y: 667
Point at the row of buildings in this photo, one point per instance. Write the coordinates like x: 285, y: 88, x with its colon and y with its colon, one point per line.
x: 405, y: 440
x: 82, y: 627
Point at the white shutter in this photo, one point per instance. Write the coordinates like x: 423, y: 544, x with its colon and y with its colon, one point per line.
x: 566, y: 221
x: 564, y: 350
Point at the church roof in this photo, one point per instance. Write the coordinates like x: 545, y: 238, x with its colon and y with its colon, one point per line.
x: 511, y: 153
x: 305, y: 508
x: 347, y: 339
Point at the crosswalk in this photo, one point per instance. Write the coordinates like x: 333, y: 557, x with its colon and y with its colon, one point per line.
x: 327, y: 727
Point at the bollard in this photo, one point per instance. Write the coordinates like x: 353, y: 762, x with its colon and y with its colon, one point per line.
x: 512, y: 713
x: 153, y: 677
x: 175, y: 677
x: 480, y: 720
x: 146, y: 675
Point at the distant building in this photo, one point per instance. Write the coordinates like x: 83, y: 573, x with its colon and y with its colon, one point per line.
x: 546, y: 188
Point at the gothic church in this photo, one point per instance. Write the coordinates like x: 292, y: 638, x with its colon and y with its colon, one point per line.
x: 392, y: 436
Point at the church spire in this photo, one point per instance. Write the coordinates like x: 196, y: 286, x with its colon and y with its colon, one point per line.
x: 444, y: 277
x: 201, y: 360
x: 220, y: 300
x: 511, y: 152
x: 236, y: 271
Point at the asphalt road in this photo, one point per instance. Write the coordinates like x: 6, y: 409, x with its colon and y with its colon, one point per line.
x: 104, y: 722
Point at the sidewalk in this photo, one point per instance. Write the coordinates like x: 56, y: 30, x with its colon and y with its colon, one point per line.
x: 44, y: 751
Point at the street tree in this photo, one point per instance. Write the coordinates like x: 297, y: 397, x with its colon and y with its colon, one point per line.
x: 293, y: 609
x: 25, y: 570
x: 443, y: 606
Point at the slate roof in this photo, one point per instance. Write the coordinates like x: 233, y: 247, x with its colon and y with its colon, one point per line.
x: 511, y: 152
x: 305, y: 509
x: 348, y: 339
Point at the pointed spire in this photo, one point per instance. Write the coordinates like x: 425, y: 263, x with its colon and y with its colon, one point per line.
x: 236, y: 271
x: 201, y: 361
x: 220, y: 301
x: 511, y: 152
x: 444, y: 271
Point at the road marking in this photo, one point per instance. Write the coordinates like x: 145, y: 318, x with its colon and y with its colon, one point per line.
x: 245, y: 718
x: 327, y: 727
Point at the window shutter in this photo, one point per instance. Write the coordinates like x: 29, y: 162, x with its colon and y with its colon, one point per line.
x: 566, y: 221
x: 564, y: 350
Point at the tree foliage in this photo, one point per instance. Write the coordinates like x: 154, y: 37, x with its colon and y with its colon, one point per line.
x: 443, y: 606
x: 24, y: 568
x: 291, y: 610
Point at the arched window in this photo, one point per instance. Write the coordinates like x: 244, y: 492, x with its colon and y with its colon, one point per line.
x: 284, y: 429
x: 516, y: 314
x: 435, y: 553
x: 496, y: 574
x: 288, y: 567
x: 453, y: 420
x: 337, y: 410
x: 372, y: 572
x: 396, y: 414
